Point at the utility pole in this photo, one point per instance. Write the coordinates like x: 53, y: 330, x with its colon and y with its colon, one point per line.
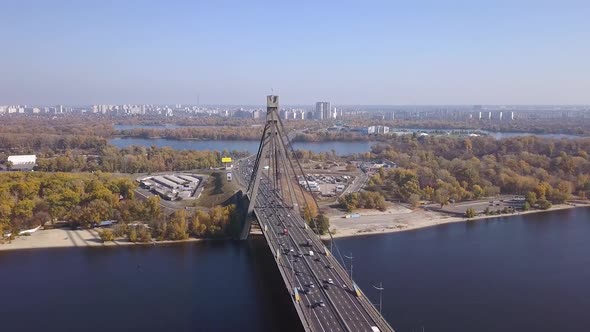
x: 380, y: 289
x: 350, y: 264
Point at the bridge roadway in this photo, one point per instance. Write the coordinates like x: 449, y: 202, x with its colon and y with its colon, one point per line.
x: 342, y: 309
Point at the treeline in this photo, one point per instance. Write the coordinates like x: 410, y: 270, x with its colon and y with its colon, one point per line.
x: 573, y: 126
x: 443, y: 169
x: 83, y: 200
x: 31, y: 199
x: 134, y: 159
x: 41, y: 134
x: 196, y: 120
x: 362, y: 200
x: 49, y: 144
x: 327, y: 136
x: 219, y: 222
x: 204, y: 133
x: 56, y: 125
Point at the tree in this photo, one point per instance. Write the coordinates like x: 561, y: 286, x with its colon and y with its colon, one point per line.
x: 323, y: 223
x: 9, y: 165
x: 132, y: 234
x: 526, y: 206
x: 441, y: 196
x: 414, y: 200
x: 470, y: 213
x: 120, y: 230
x: 308, y: 213
x: 177, y: 226
x: 143, y: 234
x: 348, y: 202
x: 478, y: 191
x: 544, y: 204
x: 152, y: 208
x: 106, y: 235
x: 531, y: 198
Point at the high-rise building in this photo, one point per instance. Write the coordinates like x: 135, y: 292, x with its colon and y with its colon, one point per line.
x: 323, y: 110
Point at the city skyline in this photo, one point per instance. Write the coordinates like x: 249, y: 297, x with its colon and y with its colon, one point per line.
x: 231, y: 53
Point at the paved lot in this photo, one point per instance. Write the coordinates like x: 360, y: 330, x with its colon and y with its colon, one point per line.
x: 479, y: 206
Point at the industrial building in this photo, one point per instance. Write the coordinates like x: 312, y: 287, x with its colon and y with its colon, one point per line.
x: 172, y: 186
x: 22, y: 162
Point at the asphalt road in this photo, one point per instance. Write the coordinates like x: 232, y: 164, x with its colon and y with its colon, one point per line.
x: 331, y: 304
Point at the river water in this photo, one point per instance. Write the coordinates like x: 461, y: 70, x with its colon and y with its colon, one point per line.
x: 520, y: 273
x: 341, y: 148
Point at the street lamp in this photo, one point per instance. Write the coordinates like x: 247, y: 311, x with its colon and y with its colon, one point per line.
x: 380, y: 289
x: 350, y: 264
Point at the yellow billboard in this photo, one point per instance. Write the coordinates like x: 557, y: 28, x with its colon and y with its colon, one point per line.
x: 226, y: 160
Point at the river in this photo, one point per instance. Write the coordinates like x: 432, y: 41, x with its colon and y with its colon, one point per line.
x: 341, y: 148
x: 520, y: 273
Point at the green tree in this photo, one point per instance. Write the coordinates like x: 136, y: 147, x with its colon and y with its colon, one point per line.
x: 531, y: 198
x: 470, y: 213
x: 544, y: 204
x: 526, y: 206
x: 441, y: 196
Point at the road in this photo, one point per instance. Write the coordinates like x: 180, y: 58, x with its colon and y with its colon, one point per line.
x: 327, y: 297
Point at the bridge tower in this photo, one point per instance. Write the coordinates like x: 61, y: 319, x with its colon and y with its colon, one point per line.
x: 275, y: 160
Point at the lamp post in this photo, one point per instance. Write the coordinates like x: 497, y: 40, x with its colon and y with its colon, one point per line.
x: 380, y: 289
x: 350, y: 264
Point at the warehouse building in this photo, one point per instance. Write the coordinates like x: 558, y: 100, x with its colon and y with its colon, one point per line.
x: 22, y: 162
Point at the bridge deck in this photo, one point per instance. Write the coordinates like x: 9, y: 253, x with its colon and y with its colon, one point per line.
x: 342, y: 309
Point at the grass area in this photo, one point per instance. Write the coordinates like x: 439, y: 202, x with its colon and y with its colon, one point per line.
x: 217, y: 190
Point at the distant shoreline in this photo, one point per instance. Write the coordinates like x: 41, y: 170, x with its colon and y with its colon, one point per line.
x: 428, y: 219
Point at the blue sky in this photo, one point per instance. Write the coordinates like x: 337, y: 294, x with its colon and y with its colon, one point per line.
x: 348, y: 52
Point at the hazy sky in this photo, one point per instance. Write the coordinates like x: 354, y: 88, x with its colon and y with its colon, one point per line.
x: 234, y: 52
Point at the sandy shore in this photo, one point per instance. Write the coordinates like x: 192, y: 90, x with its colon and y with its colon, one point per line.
x: 400, y: 218
x: 61, y: 238
x: 395, y: 219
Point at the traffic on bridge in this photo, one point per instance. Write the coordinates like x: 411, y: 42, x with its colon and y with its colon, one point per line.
x: 324, y: 295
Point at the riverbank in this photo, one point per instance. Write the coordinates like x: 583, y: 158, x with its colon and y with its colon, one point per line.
x: 395, y: 219
x: 400, y: 218
x: 64, y: 238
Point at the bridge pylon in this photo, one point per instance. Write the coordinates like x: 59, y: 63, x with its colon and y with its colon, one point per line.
x: 275, y: 160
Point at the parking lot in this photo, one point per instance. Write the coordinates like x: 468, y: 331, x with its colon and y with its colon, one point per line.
x: 326, y: 185
x: 493, y: 204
